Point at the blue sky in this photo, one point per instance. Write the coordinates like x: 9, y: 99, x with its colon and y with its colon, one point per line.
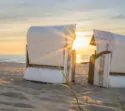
x: 16, y: 16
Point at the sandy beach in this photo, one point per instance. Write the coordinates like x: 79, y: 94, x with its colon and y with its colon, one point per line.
x: 17, y: 94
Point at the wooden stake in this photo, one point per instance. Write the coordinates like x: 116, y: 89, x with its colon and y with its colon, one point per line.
x: 73, y: 65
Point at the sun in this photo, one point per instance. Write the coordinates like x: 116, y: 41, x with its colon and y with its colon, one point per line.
x: 80, y: 42
x: 81, y: 45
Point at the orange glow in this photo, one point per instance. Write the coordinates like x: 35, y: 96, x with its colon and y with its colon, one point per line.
x: 82, y: 47
x: 78, y: 60
x: 80, y: 42
x: 12, y: 47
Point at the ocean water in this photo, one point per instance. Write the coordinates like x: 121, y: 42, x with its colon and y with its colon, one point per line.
x: 21, y: 58
x: 82, y: 58
x: 12, y: 58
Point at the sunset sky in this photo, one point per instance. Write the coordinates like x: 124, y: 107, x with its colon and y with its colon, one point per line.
x: 16, y: 16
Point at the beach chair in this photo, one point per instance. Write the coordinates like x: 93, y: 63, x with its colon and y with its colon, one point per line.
x: 107, y: 65
x: 49, y: 55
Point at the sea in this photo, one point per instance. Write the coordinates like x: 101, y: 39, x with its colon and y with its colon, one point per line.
x: 22, y: 58
x: 12, y: 58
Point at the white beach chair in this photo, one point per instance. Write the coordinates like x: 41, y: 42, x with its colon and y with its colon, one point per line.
x: 49, y: 53
x: 109, y: 63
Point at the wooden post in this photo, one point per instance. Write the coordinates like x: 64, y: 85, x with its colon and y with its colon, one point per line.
x: 73, y: 65
x: 27, y: 57
x: 91, y: 69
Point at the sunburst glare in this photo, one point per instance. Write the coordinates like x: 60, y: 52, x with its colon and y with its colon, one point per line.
x: 81, y: 41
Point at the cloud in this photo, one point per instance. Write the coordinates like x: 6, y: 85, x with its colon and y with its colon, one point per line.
x: 22, y: 10
x: 119, y: 16
x: 11, y: 34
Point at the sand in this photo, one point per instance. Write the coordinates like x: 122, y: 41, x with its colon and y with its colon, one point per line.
x: 17, y: 94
